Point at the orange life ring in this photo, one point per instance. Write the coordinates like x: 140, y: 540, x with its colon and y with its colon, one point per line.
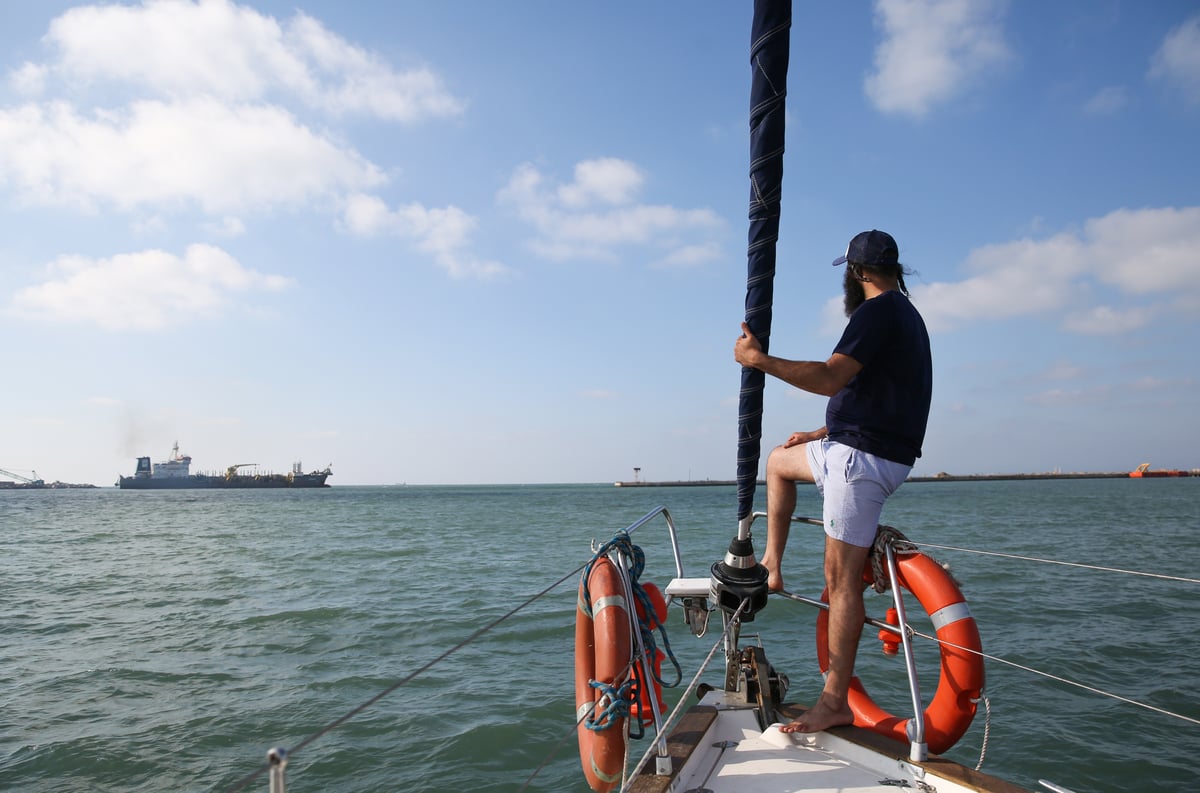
x: 953, y: 706
x: 603, y: 650
x: 642, y: 709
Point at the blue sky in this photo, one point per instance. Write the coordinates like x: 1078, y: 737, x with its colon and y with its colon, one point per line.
x: 505, y: 242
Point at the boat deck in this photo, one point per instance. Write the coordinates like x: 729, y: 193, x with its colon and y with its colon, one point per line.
x: 733, y: 755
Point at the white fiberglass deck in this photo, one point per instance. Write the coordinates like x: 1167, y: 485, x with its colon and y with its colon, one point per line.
x: 736, y: 756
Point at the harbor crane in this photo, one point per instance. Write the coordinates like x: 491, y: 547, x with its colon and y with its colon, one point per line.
x: 232, y: 470
x: 34, y: 482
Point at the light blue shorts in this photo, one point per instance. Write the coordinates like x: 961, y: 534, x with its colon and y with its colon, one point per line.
x: 853, y: 485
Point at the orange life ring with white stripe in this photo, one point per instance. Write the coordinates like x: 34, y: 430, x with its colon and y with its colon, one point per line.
x: 961, y: 682
x: 603, y: 650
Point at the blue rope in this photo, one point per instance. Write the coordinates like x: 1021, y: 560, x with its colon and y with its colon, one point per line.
x: 619, y: 700
x: 647, y: 628
x: 623, y: 544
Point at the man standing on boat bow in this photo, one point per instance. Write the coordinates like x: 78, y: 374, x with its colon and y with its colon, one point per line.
x: 879, y: 381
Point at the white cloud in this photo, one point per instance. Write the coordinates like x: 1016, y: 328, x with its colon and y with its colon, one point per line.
x: 215, y: 48
x: 606, y: 180
x: 596, y: 213
x: 227, y: 226
x: 443, y: 233
x: 221, y: 158
x: 692, y: 255
x: 188, y: 115
x: 1106, y: 101
x: 1177, y: 60
x: 147, y: 290
x: 932, y: 51
x: 28, y: 79
x: 1062, y: 397
x: 1139, y: 252
x: 148, y: 225
x: 1063, y: 370
x: 1107, y: 320
x: 1145, y: 387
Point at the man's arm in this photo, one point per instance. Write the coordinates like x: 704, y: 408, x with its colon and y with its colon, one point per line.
x: 817, y: 377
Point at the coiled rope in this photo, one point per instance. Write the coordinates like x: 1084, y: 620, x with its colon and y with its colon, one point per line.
x: 885, y: 536
x: 669, y: 721
x: 565, y: 737
x: 636, y: 561
x: 619, y: 700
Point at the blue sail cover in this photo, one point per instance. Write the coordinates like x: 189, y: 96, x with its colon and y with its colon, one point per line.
x: 768, y: 90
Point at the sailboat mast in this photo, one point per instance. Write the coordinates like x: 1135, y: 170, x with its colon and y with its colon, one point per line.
x: 769, y: 50
x: 739, y: 582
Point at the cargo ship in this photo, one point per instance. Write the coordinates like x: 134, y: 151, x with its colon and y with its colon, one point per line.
x: 174, y: 473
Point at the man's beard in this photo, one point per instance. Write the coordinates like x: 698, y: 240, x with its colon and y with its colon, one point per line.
x: 855, y: 295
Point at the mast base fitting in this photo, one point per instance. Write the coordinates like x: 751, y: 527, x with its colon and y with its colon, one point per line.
x: 731, y: 585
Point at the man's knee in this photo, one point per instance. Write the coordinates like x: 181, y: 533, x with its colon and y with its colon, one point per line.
x: 775, y: 461
x: 790, y: 463
x: 844, y: 566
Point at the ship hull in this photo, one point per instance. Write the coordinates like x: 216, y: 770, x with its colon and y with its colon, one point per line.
x: 202, y: 482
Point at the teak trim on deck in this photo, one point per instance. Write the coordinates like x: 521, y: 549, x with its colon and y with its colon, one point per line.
x: 682, y: 741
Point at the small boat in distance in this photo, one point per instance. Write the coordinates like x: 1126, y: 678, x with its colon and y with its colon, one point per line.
x: 174, y: 473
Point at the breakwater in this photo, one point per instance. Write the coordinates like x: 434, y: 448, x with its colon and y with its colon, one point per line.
x: 941, y: 477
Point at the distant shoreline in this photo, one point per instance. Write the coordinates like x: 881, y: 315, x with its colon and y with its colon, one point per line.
x: 936, y: 478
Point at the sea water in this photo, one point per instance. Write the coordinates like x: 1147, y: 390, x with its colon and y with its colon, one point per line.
x: 158, y: 641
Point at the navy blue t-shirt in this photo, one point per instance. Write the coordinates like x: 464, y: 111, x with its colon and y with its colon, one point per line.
x: 885, y: 407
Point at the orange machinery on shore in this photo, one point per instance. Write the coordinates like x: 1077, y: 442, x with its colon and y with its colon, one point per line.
x: 1143, y: 471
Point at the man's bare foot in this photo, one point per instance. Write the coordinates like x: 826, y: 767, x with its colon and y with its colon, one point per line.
x: 822, y: 716
x: 774, y: 577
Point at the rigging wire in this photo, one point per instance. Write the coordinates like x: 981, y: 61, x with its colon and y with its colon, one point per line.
x: 1065, y: 564
x: 729, y: 625
x: 591, y: 708
x: 1100, y: 568
x: 242, y: 783
x: 1057, y: 678
x: 667, y: 722
x: 1084, y: 686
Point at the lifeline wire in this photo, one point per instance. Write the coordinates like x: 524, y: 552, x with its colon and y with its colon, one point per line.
x: 667, y: 722
x: 1085, y: 687
x: 568, y: 736
x: 241, y: 784
x: 692, y: 685
x: 1065, y: 564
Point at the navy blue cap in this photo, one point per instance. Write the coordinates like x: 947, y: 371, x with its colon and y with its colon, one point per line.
x: 873, y: 248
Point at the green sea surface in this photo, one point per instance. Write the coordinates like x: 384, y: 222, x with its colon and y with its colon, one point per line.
x: 166, y: 640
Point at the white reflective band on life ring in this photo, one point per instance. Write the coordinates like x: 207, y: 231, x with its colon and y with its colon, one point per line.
x: 950, y: 615
x: 612, y: 600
